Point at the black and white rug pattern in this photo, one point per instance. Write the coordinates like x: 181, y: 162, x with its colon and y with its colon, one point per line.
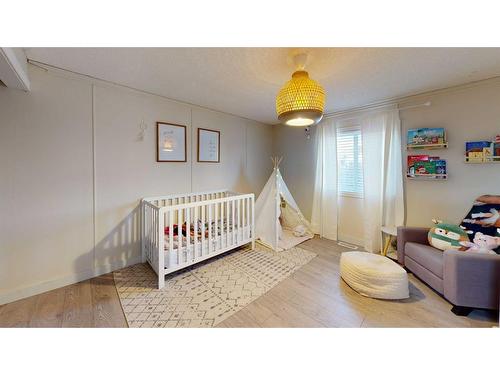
x: 204, y: 295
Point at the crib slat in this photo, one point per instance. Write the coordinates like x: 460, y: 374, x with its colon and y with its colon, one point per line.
x: 210, y: 228
x: 222, y: 221
x: 238, y: 213
x: 188, y: 234
x: 171, y: 235
x: 227, y: 224
x: 162, y: 233
x: 179, y: 237
x: 233, y: 222
x: 248, y: 218
x: 150, y: 232
x: 157, y: 237
x: 202, y: 229
x: 155, y: 234
x: 216, y: 206
x: 195, y: 232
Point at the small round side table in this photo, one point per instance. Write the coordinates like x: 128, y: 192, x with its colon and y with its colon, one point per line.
x: 388, y: 233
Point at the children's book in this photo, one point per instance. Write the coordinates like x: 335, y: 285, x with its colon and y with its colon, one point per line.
x: 478, y: 146
x: 426, y: 136
x: 425, y: 167
x: 440, y: 166
x: 413, y: 159
x: 425, y: 164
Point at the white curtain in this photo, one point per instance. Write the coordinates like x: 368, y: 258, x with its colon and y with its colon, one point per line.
x: 324, y: 213
x: 382, y: 174
x: 383, y: 199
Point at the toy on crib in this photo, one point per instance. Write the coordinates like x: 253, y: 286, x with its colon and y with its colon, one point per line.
x: 444, y: 236
x: 482, y: 244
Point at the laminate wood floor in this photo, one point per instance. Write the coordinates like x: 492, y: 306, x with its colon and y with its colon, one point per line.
x: 314, y: 296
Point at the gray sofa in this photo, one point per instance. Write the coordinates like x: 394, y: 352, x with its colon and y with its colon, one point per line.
x: 467, y: 280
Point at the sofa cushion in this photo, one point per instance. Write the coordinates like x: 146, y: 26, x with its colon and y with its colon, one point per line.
x: 427, y: 256
x: 425, y: 275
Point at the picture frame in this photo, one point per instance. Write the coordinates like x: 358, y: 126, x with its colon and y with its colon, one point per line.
x: 171, y: 142
x: 208, y: 146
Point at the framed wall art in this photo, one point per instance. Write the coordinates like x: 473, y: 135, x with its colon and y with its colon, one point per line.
x: 171, y: 142
x: 208, y: 146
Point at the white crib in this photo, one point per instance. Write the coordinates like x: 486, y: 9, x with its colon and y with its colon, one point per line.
x: 181, y: 230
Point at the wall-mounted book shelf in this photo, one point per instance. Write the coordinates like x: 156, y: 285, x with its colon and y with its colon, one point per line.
x: 427, y: 176
x: 434, y: 146
x: 426, y: 139
x: 482, y: 152
x: 486, y: 160
x: 426, y: 167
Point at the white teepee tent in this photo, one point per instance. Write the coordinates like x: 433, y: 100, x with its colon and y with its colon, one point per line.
x: 279, y: 224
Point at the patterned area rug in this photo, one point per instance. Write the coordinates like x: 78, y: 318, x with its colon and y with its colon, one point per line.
x: 204, y: 295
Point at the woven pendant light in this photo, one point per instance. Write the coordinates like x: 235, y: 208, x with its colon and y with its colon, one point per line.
x: 301, y: 101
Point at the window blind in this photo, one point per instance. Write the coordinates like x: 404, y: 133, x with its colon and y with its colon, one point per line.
x: 350, y: 161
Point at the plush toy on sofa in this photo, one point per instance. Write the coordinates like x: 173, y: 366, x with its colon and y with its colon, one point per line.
x: 482, y: 244
x: 444, y: 236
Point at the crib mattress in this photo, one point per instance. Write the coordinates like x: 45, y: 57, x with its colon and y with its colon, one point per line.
x: 220, y: 242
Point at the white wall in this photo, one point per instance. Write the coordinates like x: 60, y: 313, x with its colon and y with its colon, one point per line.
x: 468, y: 113
x: 299, y: 163
x: 46, y: 230
x: 73, y: 171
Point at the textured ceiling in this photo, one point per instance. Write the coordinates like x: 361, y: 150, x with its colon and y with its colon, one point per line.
x: 244, y: 81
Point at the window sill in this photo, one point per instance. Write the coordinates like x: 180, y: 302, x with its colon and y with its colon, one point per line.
x: 351, y: 195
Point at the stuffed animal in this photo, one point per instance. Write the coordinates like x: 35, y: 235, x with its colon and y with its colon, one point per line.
x: 447, y: 236
x: 486, y: 219
x: 482, y: 244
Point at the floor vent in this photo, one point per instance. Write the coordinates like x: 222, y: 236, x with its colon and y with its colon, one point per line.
x: 348, y: 245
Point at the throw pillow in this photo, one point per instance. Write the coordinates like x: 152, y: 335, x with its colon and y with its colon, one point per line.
x: 483, y: 220
x: 444, y: 236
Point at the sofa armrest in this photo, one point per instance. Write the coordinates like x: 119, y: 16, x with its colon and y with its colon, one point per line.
x: 471, y: 280
x: 410, y: 234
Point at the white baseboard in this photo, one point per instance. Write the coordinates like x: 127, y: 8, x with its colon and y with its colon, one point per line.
x: 349, y: 239
x: 45, y: 286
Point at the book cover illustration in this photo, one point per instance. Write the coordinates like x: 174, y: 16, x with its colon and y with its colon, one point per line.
x: 422, y: 165
x: 426, y: 136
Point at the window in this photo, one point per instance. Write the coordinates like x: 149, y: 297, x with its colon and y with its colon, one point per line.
x: 350, y: 162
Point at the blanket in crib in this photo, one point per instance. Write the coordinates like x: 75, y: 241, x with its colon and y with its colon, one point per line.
x: 219, y: 227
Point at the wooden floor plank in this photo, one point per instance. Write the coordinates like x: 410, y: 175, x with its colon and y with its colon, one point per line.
x: 240, y: 320
x: 286, y: 312
x: 78, y: 309
x: 18, y: 313
x: 107, y: 310
x: 317, y: 305
x: 49, y: 309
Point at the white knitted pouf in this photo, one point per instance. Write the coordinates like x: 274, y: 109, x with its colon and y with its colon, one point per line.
x: 374, y: 275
